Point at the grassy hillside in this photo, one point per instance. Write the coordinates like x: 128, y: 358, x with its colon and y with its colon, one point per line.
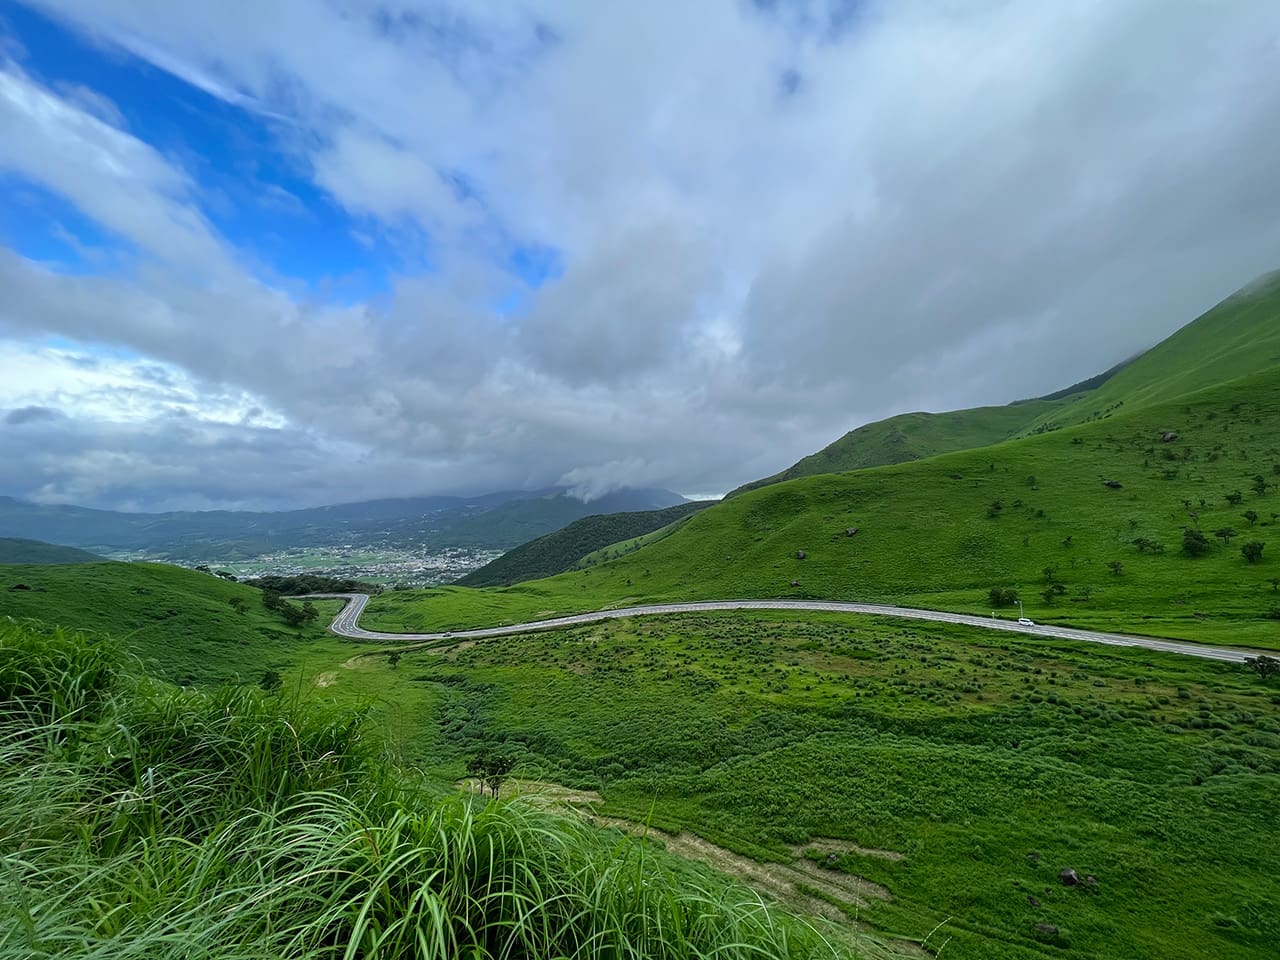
x: 561, y: 550
x: 141, y: 820
x: 1237, y: 338
x: 1033, y: 515
x: 17, y: 550
x: 916, y: 436
x: 181, y: 622
x: 960, y: 770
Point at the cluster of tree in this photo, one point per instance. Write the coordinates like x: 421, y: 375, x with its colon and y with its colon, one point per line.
x: 294, y: 615
x: 1002, y: 596
x: 224, y: 574
x: 490, y: 769
x: 312, y: 583
x: 1264, y: 666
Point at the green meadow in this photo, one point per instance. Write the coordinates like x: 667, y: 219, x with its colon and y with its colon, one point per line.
x: 990, y: 764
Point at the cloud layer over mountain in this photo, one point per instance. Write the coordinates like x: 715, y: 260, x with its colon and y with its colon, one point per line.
x: 285, y: 253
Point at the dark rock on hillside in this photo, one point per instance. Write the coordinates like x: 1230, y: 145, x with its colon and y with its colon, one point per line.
x: 800, y: 554
x: 1069, y: 877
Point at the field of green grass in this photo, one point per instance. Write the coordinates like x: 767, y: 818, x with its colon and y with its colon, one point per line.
x: 1034, y: 515
x: 141, y: 820
x: 806, y: 744
x: 989, y: 763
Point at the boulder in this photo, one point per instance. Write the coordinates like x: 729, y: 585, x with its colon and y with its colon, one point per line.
x: 1168, y: 436
x: 800, y: 554
x: 1069, y: 877
x: 1032, y: 900
x: 1047, y: 929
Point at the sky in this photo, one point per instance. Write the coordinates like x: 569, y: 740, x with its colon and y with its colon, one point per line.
x: 278, y: 254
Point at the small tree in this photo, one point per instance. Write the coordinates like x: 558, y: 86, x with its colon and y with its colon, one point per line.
x: 1275, y: 584
x: 1264, y: 666
x: 1260, y: 485
x: 294, y: 616
x: 1252, y: 551
x: 1234, y: 498
x: 1224, y: 534
x: 394, y: 659
x: 490, y: 770
x: 238, y: 604
x: 1002, y: 596
x: 271, y: 681
x: 1251, y: 516
x: 1194, y: 542
x: 1116, y: 567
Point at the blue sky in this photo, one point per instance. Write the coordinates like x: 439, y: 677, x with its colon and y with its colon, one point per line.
x: 277, y: 254
x: 254, y: 186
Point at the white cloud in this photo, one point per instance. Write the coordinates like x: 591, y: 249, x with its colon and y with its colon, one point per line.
x: 771, y: 229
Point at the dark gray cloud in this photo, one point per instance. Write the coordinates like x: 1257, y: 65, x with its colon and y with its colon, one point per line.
x: 776, y: 221
x: 24, y: 415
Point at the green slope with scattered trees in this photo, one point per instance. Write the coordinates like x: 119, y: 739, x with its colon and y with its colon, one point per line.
x: 191, y: 627
x: 915, y: 436
x: 560, y: 551
x: 1143, y: 523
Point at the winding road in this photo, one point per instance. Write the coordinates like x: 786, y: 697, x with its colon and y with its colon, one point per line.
x: 346, y: 624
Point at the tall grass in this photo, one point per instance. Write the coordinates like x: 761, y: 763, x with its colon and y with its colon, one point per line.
x: 139, y: 820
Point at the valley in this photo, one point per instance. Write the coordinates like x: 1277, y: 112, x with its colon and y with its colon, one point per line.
x: 819, y: 688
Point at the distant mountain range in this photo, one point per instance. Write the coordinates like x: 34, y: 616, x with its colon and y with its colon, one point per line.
x: 495, y: 521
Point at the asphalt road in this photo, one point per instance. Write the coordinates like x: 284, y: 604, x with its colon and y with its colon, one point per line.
x: 346, y: 624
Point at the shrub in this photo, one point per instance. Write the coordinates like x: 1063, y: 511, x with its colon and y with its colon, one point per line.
x: 1194, y: 542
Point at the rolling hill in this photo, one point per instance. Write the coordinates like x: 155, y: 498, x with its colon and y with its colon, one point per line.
x: 180, y: 622
x: 561, y: 550
x: 1238, y: 337
x: 1045, y: 515
x: 16, y: 550
x: 915, y: 436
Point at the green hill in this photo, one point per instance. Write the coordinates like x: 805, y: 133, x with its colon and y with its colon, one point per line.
x: 1035, y: 515
x: 1238, y: 337
x: 915, y: 436
x: 18, y: 550
x: 182, y: 623
x: 561, y: 550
